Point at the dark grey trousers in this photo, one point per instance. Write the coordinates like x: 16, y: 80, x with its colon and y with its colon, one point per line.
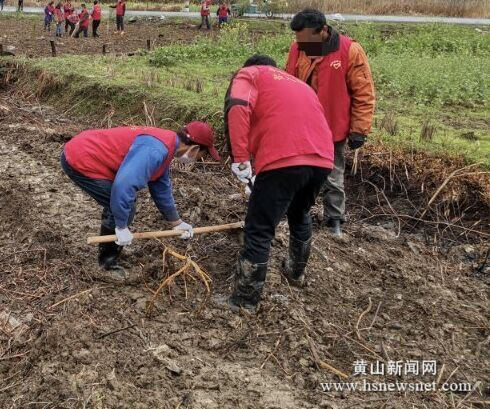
x: 333, y: 191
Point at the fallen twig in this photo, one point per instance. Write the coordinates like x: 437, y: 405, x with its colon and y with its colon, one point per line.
x: 116, y: 331
x: 276, y: 345
x: 70, y: 298
x: 322, y: 364
x: 360, y: 318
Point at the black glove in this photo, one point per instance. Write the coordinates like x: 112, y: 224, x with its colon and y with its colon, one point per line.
x: 356, y: 140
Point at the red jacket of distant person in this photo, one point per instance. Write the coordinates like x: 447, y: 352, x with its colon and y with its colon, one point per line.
x: 97, y: 12
x: 120, y: 8
x: 205, y: 8
x: 84, y: 18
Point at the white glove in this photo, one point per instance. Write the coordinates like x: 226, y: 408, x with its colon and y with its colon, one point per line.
x: 242, y: 170
x: 124, y: 237
x: 188, y: 232
x: 248, y: 190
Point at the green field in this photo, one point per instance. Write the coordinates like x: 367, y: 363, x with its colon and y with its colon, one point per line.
x: 426, y: 76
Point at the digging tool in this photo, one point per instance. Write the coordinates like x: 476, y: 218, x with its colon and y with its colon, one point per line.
x: 166, y: 233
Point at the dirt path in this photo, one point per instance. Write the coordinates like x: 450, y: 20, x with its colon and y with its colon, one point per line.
x: 61, y: 352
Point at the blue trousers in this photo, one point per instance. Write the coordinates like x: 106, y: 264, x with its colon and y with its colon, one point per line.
x: 99, y: 190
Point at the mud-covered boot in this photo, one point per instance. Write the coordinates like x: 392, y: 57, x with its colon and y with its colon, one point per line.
x: 294, y: 266
x: 334, y: 227
x: 249, y: 283
x: 108, y: 252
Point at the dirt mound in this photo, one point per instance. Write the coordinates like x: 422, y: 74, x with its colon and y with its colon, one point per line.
x: 69, y: 339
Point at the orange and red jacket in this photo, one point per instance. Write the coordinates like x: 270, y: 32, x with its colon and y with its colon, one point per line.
x: 276, y: 119
x: 120, y: 8
x: 205, y: 8
x: 98, y: 153
x: 96, y: 12
x: 84, y: 17
x: 343, y: 82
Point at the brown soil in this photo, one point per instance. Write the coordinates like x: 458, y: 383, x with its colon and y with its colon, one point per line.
x: 62, y: 352
x: 28, y: 38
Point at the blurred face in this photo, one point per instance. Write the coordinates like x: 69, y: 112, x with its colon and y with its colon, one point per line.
x: 308, y: 35
x: 188, y: 154
x: 311, y: 42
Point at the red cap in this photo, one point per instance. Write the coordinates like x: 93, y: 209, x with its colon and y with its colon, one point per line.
x: 203, y: 134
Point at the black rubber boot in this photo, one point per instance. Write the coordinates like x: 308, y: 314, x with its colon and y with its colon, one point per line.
x: 294, y: 266
x: 108, y: 252
x: 249, y: 283
x: 335, y: 227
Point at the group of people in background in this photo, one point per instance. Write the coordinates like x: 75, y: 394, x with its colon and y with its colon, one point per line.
x: 78, y: 22
x: 222, y: 13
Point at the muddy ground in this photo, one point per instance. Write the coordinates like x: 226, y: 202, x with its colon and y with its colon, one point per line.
x: 74, y: 337
x: 27, y: 37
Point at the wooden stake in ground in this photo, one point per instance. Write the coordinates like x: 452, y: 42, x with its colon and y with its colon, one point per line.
x: 167, y: 233
x: 53, y: 48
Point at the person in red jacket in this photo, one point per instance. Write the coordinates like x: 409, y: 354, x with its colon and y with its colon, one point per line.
x: 120, y: 7
x: 83, y: 23
x: 205, y: 11
x: 48, y: 15
x: 68, y: 11
x: 223, y: 13
x: 59, y: 19
x: 337, y: 68
x: 72, y: 21
x: 112, y: 165
x: 277, y: 121
x: 96, y: 17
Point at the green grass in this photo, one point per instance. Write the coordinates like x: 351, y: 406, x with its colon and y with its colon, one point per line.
x: 422, y: 72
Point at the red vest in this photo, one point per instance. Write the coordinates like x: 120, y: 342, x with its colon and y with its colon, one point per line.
x: 287, y: 122
x: 68, y: 9
x: 84, y: 18
x: 96, y: 12
x: 120, y: 8
x: 205, y: 8
x: 223, y: 11
x: 98, y: 153
x: 59, y: 15
x: 332, y: 87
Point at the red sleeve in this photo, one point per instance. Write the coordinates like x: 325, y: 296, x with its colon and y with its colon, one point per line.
x: 241, y: 102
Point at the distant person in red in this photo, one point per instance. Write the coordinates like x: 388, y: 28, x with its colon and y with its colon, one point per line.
x: 96, y: 17
x: 120, y: 12
x: 68, y: 11
x: 72, y: 21
x: 59, y: 18
x: 276, y: 121
x: 112, y: 165
x: 84, y: 21
x: 205, y: 11
x: 48, y: 15
x: 223, y: 13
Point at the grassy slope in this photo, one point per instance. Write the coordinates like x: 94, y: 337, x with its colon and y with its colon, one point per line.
x: 436, y: 73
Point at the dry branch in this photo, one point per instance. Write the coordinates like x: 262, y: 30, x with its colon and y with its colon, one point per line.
x: 322, y: 364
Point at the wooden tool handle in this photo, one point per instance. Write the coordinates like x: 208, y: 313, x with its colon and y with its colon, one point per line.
x: 167, y: 233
